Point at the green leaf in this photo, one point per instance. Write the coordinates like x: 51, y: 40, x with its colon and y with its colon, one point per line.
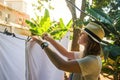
x: 61, y: 23
x: 44, y: 24
x: 31, y: 24
x: 117, y: 24
x: 113, y: 50
x: 100, y: 15
x: 69, y: 24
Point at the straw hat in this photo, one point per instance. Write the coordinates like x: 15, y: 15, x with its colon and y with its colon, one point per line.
x: 95, y: 31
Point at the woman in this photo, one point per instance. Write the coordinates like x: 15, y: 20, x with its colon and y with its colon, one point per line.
x: 85, y: 65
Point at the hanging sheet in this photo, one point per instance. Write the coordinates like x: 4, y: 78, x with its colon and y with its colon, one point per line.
x: 39, y: 65
x: 12, y: 58
x: 16, y: 63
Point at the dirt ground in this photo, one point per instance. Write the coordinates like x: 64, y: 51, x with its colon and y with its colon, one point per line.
x: 101, y: 77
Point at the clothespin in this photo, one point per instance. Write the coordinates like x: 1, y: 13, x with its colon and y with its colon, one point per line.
x: 8, y: 33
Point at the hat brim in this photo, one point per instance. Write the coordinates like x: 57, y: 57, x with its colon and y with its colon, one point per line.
x: 92, y: 35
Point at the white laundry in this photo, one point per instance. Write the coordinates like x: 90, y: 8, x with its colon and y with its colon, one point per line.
x: 40, y: 67
x: 20, y: 62
x: 12, y: 58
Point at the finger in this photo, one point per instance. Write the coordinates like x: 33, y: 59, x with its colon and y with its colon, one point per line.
x: 44, y: 36
x: 35, y: 37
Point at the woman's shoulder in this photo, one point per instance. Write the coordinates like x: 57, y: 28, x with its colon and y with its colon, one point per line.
x: 90, y: 58
x: 93, y: 56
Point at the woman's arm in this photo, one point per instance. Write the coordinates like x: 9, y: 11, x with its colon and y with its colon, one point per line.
x: 69, y: 66
x: 60, y: 48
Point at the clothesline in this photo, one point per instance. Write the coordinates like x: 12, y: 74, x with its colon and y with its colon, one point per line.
x: 13, y: 35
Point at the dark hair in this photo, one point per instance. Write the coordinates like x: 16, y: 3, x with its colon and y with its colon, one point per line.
x: 92, y: 48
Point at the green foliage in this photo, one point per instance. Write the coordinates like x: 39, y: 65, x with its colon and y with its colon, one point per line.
x: 60, y: 29
x: 117, y: 25
x: 43, y: 24
x: 111, y: 64
x: 107, y: 68
x: 41, y: 5
x: 40, y: 25
x: 99, y: 15
x: 114, y: 9
x: 111, y: 67
x: 112, y: 50
x: 100, y: 3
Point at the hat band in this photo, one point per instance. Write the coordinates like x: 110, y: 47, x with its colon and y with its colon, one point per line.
x: 92, y: 34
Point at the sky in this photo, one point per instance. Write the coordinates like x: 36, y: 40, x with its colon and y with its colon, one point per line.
x: 60, y: 10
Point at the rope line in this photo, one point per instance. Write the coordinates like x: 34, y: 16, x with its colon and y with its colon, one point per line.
x: 13, y: 35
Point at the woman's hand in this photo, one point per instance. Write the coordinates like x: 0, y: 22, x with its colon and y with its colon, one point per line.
x: 46, y: 36
x: 37, y: 39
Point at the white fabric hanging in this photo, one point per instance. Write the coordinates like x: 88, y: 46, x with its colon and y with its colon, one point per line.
x: 39, y: 66
x: 12, y: 58
x: 14, y: 61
